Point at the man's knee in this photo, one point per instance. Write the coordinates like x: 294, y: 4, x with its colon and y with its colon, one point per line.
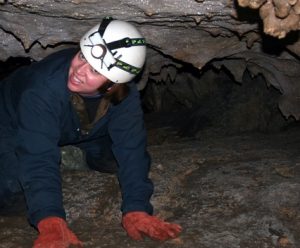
x: 99, y: 155
x: 103, y: 164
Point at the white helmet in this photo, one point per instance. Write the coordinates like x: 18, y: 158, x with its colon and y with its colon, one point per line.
x: 114, y: 48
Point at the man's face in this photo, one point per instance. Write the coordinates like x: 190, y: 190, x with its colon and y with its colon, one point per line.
x: 83, y: 79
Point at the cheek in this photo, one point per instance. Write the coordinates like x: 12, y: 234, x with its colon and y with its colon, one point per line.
x: 96, y: 81
x: 92, y: 82
x: 71, y: 70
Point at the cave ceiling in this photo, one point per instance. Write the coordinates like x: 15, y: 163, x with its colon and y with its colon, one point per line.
x: 258, y: 35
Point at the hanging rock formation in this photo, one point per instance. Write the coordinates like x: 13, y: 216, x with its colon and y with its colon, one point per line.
x: 225, y: 33
x: 279, y: 16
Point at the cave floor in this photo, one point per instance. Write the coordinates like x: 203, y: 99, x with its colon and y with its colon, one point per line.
x: 227, y: 191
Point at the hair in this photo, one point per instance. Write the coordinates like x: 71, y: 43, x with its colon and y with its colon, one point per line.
x: 113, y: 92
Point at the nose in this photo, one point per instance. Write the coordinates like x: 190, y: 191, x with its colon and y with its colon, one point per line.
x: 82, y: 68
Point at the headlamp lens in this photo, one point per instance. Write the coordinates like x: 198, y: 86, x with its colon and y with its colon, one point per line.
x: 98, y: 51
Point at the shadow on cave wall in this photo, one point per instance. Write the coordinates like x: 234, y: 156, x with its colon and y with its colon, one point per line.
x: 211, y: 100
x: 11, y: 64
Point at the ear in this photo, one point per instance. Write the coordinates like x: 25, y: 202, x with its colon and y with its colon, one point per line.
x: 110, y: 85
x: 106, y: 87
x: 109, y: 88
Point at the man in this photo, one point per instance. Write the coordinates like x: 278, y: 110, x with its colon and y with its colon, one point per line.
x: 84, y: 98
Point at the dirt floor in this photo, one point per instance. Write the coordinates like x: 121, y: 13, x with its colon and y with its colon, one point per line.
x: 227, y: 191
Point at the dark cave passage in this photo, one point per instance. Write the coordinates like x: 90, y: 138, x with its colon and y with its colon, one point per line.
x: 191, y: 100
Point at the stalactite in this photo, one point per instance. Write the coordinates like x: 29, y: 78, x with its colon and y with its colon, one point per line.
x: 279, y: 16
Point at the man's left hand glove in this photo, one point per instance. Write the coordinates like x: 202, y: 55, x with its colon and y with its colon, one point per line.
x: 54, y: 233
x: 138, y: 223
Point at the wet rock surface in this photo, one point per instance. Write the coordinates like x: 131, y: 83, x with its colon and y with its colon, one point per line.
x: 227, y: 191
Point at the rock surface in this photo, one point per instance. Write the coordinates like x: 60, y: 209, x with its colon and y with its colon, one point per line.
x: 178, y: 32
x: 279, y: 16
x: 227, y: 191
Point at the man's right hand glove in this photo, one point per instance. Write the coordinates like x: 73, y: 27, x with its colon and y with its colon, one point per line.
x: 138, y: 224
x: 54, y: 233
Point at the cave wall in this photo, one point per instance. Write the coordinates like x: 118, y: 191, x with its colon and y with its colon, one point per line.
x: 226, y: 33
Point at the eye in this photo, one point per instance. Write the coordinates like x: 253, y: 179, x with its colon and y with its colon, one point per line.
x: 81, y: 56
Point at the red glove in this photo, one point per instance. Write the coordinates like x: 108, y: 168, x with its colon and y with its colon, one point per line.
x: 54, y: 233
x: 138, y: 223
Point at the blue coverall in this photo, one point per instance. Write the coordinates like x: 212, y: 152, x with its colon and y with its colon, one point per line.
x: 37, y: 118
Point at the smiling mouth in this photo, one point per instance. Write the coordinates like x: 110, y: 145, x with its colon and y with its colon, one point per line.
x: 76, y: 80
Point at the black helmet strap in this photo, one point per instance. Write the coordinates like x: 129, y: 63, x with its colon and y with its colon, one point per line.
x: 126, y: 42
x: 104, y: 25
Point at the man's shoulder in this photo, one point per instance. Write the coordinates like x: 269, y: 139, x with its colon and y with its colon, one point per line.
x: 61, y: 54
x: 56, y: 64
x: 56, y: 59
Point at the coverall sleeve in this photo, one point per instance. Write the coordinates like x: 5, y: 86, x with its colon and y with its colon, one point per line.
x: 39, y: 153
x: 127, y: 130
